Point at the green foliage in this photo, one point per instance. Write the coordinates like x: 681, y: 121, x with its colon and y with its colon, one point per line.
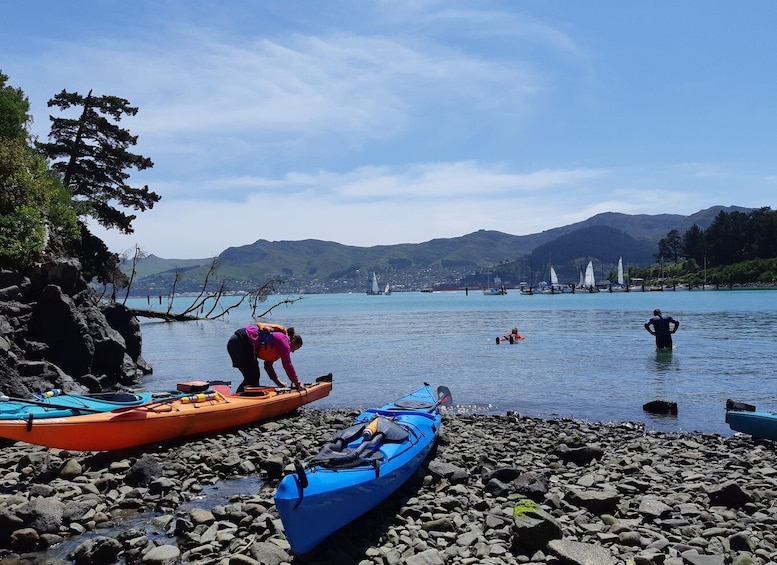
x: 694, y: 244
x: 755, y: 271
x: 737, y: 248
x: 35, y: 210
x: 670, y: 247
x: 22, y: 235
x: 14, y: 111
x: 91, y: 153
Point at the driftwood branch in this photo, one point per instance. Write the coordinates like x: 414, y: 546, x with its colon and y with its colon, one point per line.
x: 206, y: 304
x: 166, y: 316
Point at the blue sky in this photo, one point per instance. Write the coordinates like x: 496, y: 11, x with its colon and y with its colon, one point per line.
x: 385, y: 122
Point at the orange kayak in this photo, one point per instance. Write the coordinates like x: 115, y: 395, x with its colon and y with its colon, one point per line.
x: 162, y: 420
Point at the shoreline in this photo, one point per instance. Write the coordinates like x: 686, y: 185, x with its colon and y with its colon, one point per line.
x: 614, y: 492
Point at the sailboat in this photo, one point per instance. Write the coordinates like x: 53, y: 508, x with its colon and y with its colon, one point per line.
x: 493, y: 290
x: 619, y: 286
x: 589, y: 283
x: 387, y: 290
x: 375, y: 289
x: 555, y: 287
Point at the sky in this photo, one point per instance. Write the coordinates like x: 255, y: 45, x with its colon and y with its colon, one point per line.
x: 385, y: 122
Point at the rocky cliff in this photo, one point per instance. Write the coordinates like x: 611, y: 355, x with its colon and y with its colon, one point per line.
x: 55, y: 334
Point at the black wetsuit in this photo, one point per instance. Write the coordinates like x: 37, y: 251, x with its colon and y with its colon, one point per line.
x: 661, y: 330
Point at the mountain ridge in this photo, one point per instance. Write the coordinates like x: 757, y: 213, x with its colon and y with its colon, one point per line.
x: 313, y: 266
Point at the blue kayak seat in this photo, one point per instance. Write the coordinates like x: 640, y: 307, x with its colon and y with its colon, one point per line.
x: 337, y: 455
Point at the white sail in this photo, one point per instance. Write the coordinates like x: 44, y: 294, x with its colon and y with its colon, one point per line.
x: 588, y: 281
x: 374, y: 289
x: 620, y: 271
x: 387, y: 290
x: 553, y: 276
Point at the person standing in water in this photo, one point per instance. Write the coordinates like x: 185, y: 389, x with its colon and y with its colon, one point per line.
x: 660, y: 329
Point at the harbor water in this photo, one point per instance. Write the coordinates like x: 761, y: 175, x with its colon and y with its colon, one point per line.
x: 584, y: 356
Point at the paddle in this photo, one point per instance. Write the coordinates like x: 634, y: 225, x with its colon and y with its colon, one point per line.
x: 444, y: 396
x: 184, y: 398
x: 47, y: 404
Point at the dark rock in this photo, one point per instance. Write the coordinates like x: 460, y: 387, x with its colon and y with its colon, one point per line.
x: 427, y: 557
x: 268, y: 553
x: 533, y: 526
x: 75, y: 511
x: 64, y: 273
x: 660, y: 407
x: 449, y: 471
x: 505, y: 474
x: 575, y: 552
x: 55, y: 322
x: 273, y: 468
x: 144, y: 471
x: 101, y: 550
x: 13, y: 292
x: 495, y: 487
x: 728, y: 494
x: 9, y: 522
x: 121, y: 319
x: 25, y: 539
x: 54, y: 333
x: 579, y: 455
x: 532, y: 485
x: 741, y: 542
x: 42, y: 514
x: 12, y: 278
x: 161, y: 555
x: 598, y: 502
x: 693, y: 559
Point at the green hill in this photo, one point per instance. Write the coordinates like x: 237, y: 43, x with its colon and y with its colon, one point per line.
x: 314, y: 266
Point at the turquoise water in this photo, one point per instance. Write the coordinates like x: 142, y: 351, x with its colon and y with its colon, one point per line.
x: 585, y: 355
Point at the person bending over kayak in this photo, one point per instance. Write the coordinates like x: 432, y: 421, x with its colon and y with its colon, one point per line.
x: 258, y: 341
x: 661, y: 329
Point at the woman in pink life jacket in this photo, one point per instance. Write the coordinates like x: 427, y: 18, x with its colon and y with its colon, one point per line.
x: 268, y: 343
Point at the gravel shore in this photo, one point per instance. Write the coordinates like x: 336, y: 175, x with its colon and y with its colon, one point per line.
x: 499, y: 489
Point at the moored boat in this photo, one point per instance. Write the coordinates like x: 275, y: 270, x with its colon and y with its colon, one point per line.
x: 742, y: 417
x: 360, y: 468
x: 194, y: 413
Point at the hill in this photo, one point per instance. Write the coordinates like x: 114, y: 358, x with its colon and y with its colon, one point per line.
x: 315, y: 266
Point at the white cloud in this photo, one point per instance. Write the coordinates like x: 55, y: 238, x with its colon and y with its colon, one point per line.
x: 388, y: 122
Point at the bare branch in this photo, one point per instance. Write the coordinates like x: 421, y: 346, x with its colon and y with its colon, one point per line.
x: 274, y: 306
x: 198, y: 301
x: 137, y: 255
x: 176, y: 278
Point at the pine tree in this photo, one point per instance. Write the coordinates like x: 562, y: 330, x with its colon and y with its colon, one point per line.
x: 91, y: 154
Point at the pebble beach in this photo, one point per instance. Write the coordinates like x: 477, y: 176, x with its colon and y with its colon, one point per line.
x: 500, y: 489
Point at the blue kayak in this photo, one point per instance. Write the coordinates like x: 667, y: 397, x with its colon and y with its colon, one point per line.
x: 55, y: 405
x: 742, y: 417
x: 360, y: 468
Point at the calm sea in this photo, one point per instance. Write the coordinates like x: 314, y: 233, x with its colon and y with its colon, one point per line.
x: 585, y: 356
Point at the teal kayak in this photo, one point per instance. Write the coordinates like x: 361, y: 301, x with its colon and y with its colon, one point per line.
x: 744, y: 418
x: 361, y: 467
x: 55, y: 404
x: 66, y: 405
